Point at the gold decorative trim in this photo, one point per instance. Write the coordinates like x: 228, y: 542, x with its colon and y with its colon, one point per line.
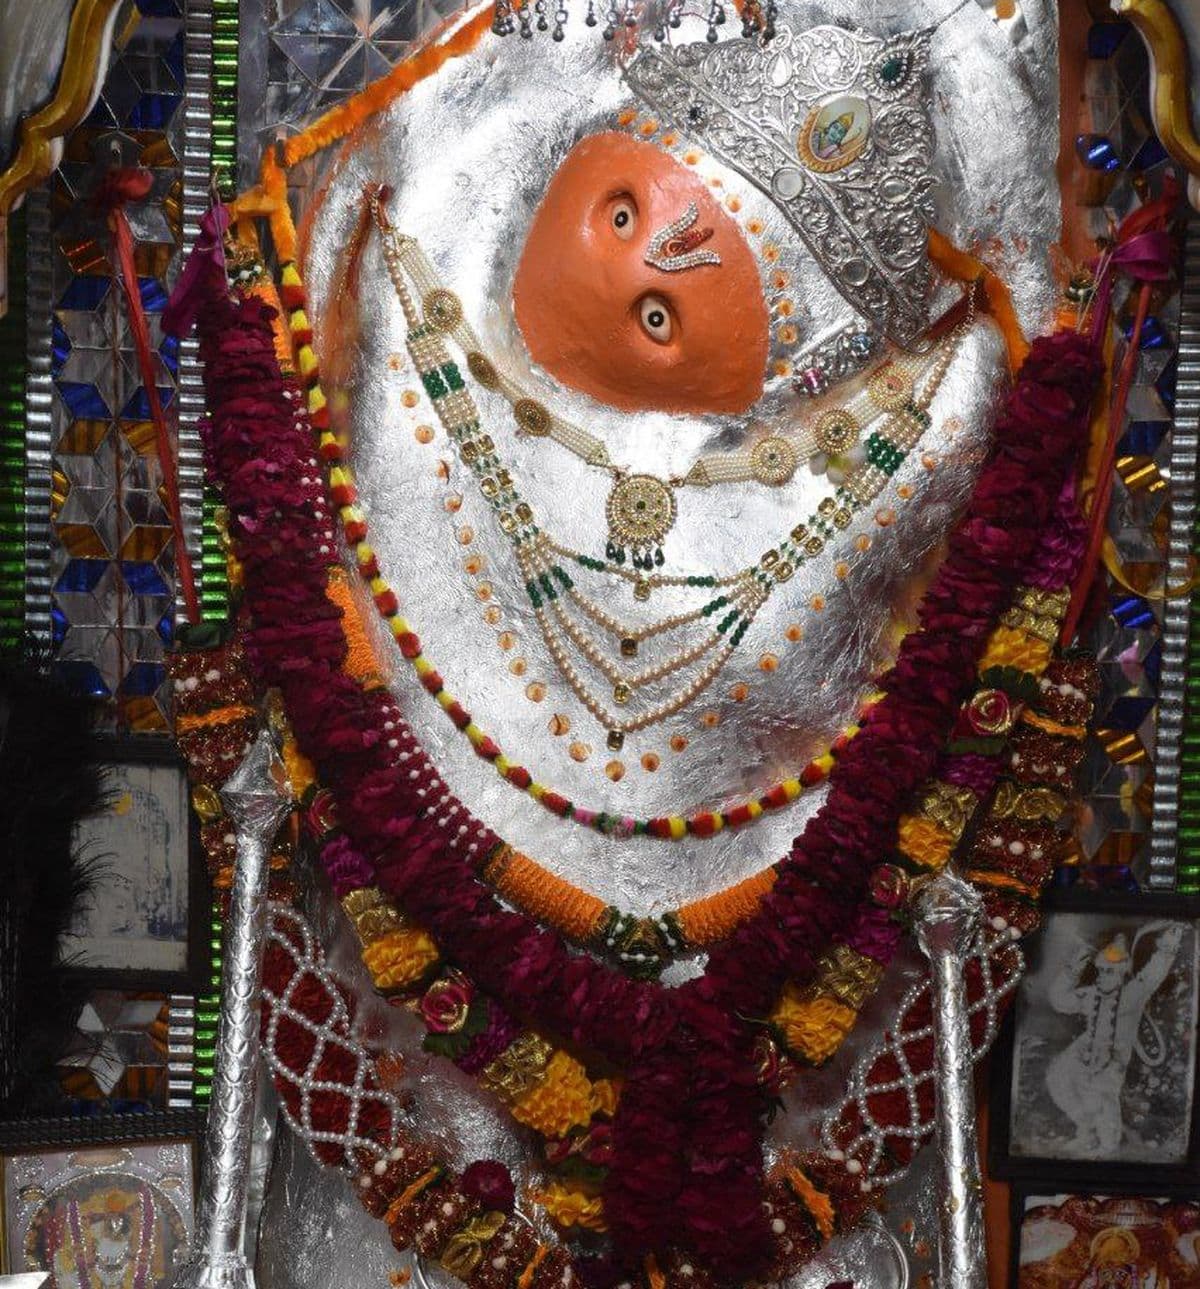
x: 83, y: 65
x: 1170, y: 76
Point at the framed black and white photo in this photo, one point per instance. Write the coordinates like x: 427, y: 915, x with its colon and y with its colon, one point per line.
x: 141, y: 924
x: 1096, y: 1077
x: 1086, y: 1240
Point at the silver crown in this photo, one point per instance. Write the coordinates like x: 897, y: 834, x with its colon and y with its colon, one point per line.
x: 833, y: 126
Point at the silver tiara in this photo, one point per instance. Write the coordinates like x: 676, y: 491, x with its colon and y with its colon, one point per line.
x: 833, y: 126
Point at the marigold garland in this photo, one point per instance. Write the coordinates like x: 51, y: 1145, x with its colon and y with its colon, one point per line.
x: 689, y: 1082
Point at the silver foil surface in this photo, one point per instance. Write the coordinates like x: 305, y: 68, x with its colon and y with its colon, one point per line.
x: 256, y: 806
x: 468, y: 154
x: 949, y: 919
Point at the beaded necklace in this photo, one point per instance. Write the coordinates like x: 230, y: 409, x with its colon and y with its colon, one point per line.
x: 641, y: 508
x: 356, y: 530
x: 551, y: 588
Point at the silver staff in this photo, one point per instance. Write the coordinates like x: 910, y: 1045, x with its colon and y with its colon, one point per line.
x: 256, y: 799
x: 950, y: 915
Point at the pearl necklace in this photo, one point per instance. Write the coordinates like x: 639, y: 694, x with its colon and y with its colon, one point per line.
x: 642, y: 507
x: 551, y: 588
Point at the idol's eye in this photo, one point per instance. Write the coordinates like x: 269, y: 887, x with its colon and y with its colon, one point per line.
x: 623, y: 217
x: 656, y: 318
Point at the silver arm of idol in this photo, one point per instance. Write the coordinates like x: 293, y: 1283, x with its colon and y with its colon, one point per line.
x: 949, y: 917
x: 256, y: 801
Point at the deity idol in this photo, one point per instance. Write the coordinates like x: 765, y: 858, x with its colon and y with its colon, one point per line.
x: 661, y: 379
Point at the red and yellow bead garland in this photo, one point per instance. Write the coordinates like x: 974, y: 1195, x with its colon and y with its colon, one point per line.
x: 344, y: 494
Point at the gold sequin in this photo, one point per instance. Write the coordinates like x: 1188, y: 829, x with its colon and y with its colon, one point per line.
x: 517, y: 1068
x: 532, y: 417
x: 483, y: 369
x: 443, y: 309
x: 849, y: 976
x: 1028, y: 805
x: 949, y: 806
x: 206, y: 803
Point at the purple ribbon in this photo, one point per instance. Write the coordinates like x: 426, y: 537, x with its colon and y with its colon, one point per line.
x: 1147, y: 257
x: 203, y: 271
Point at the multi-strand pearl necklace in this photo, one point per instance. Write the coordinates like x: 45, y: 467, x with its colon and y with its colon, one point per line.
x: 641, y: 508
x: 549, y: 586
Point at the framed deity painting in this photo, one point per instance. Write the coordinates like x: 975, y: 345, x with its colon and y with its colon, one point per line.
x: 1097, y: 1073
x: 141, y: 922
x: 1080, y: 1240
x: 99, y: 1215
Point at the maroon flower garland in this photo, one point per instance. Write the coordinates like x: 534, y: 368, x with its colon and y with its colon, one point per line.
x: 687, y: 1162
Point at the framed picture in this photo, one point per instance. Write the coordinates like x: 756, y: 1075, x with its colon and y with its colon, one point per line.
x: 142, y: 925
x: 1074, y: 1240
x: 98, y: 1215
x: 1095, y: 1078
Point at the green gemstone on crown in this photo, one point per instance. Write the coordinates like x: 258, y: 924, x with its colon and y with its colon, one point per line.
x: 893, y: 69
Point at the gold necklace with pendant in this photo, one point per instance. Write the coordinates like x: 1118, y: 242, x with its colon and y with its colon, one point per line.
x: 731, y: 603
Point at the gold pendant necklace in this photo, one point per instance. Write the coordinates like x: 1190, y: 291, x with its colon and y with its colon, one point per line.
x: 641, y: 512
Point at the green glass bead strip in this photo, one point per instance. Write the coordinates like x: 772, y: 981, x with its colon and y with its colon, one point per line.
x: 225, y: 90
x: 12, y: 439
x: 1175, y: 831
x: 196, y: 183
x: 214, y: 577
x: 214, y: 580
x: 208, y: 1009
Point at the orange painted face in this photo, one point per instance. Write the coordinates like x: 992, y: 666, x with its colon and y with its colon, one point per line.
x: 602, y: 310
